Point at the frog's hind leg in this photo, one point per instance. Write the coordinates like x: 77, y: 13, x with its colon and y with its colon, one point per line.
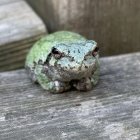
x: 48, y: 84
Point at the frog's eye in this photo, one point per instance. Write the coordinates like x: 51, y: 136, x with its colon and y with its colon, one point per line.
x: 95, y: 51
x: 56, y: 53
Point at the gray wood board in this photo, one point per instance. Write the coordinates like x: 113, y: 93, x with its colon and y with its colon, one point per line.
x: 2, y: 2
x: 20, y: 28
x: 18, y: 22
x: 114, y: 24
x: 111, y: 111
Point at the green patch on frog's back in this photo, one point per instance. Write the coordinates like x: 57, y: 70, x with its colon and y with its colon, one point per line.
x: 42, y: 48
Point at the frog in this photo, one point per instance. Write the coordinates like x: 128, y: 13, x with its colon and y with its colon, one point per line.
x: 64, y: 60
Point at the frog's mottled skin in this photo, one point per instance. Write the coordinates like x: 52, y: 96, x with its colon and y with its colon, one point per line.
x: 77, y: 67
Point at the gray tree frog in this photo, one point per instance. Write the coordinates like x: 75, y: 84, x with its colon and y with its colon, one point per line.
x: 63, y: 60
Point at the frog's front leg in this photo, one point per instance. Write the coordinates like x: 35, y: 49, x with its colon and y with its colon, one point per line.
x: 86, y: 84
x: 83, y: 84
x: 56, y: 86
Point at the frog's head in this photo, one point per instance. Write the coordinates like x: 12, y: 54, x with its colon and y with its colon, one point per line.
x: 73, y: 61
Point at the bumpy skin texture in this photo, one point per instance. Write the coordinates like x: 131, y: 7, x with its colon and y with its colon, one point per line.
x: 63, y: 60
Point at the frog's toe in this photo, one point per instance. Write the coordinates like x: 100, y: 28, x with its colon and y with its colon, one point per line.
x: 60, y: 87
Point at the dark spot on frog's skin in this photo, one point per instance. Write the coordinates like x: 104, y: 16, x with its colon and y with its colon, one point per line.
x: 85, y: 58
x: 40, y: 62
x: 48, y: 58
x: 86, y: 67
x: 77, y: 104
x: 34, y: 63
x: 72, y: 59
x: 68, y: 51
x: 78, y: 51
x: 74, y: 51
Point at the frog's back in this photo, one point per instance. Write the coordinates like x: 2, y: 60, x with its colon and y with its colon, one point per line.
x: 42, y: 48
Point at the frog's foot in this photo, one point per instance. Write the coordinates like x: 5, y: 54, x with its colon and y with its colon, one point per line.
x: 58, y: 87
x: 83, y: 84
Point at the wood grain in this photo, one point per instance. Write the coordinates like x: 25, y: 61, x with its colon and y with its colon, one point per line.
x: 114, y: 24
x: 20, y: 27
x: 111, y: 111
x: 2, y: 2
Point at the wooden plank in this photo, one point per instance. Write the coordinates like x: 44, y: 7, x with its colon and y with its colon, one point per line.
x: 111, y: 111
x: 114, y: 24
x: 12, y: 55
x: 20, y: 27
x: 2, y: 2
x: 18, y: 23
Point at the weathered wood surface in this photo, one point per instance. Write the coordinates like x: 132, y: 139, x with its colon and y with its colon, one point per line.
x: 111, y: 111
x: 2, y: 2
x: 20, y: 27
x: 114, y: 24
